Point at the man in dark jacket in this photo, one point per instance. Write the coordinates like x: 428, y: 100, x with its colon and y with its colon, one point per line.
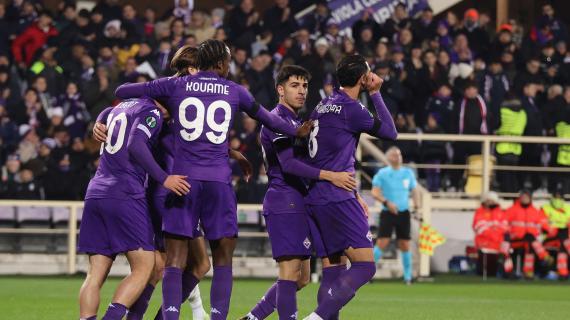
x: 532, y: 152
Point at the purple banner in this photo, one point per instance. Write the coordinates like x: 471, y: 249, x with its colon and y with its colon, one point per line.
x: 346, y: 12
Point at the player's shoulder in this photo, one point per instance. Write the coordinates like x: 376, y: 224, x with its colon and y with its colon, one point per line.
x: 409, y: 171
x: 384, y: 171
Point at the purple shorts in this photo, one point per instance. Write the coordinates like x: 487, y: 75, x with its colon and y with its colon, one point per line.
x: 342, y: 225
x: 318, y: 245
x: 209, y: 204
x: 113, y: 226
x: 158, y: 209
x: 289, y: 233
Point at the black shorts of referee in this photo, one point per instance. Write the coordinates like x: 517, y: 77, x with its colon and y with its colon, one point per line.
x: 400, y: 222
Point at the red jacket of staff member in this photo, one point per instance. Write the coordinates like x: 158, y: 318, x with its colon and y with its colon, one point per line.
x: 33, y: 38
x: 524, y: 218
x: 490, y: 223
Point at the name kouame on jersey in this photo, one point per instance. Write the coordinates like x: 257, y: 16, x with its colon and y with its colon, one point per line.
x: 118, y: 176
x: 338, y: 122
x: 203, y: 108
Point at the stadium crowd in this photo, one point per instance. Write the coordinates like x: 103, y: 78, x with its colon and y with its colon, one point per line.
x: 448, y: 74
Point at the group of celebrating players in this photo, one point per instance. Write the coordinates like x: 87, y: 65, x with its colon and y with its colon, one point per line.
x: 175, y: 131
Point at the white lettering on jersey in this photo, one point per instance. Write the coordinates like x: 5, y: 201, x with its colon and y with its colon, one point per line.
x: 208, y: 87
x: 328, y: 108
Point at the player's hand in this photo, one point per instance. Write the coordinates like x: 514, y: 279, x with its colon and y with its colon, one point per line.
x: 392, y: 207
x: 343, y: 180
x: 373, y: 83
x: 177, y: 184
x: 363, y: 204
x: 305, y: 129
x: 244, y: 164
x: 100, y: 132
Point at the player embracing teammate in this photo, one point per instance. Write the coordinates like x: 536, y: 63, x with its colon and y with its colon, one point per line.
x: 202, y: 108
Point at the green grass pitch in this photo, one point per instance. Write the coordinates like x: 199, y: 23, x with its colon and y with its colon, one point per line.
x: 448, y: 297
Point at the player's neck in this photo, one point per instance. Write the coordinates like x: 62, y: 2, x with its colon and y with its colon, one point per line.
x: 352, y: 92
x: 286, y: 105
x: 396, y: 167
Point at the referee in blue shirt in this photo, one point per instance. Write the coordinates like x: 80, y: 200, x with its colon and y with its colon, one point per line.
x: 392, y: 186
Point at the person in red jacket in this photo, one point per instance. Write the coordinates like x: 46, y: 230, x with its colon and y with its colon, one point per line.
x: 490, y: 226
x: 526, y: 223
x: 490, y: 223
x: 33, y: 38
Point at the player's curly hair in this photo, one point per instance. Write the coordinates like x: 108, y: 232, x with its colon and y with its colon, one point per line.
x: 350, y: 69
x: 184, y: 58
x: 211, y: 53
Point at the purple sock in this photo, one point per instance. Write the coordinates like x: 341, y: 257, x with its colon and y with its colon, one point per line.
x: 287, y: 299
x: 171, y: 293
x: 266, y: 305
x: 343, y: 289
x: 221, y: 292
x: 116, y: 311
x: 189, y: 282
x: 330, y: 274
x: 139, y: 307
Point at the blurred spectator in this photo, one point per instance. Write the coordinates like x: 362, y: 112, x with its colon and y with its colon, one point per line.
x: 367, y: 21
x: 319, y: 63
x: 280, y: 21
x: 512, y: 121
x: 433, y: 152
x: 397, y: 22
x: 75, y: 111
x: 242, y: 22
x: 443, y: 108
x: 495, y: 86
x: 48, y: 67
x: 316, y: 22
x: 477, y: 35
x: 425, y: 26
x: 8, y: 133
x: 10, y: 177
x: 555, y: 24
x: 532, y: 152
x: 29, y: 144
x: 201, y: 26
x: 33, y: 38
x: 260, y: 79
x: 31, y: 111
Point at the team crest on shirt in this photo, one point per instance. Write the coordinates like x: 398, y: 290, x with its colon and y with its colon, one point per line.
x: 406, y: 183
x: 307, y: 243
x: 369, y: 236
x: 150, y: 121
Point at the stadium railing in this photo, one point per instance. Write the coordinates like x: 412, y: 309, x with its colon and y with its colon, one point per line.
x: 429, y: 202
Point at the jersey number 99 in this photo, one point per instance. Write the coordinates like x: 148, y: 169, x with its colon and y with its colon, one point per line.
x: 193, y: 129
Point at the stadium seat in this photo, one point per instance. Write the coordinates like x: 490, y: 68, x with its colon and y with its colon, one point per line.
x: 474, y: 174
x: 8, y: 242
x: 60, y: 216
x: 38, y: 218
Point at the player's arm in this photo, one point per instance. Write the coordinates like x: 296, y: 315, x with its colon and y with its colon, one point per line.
x: 144, y: 128
x: 291, y: 165
x: 155, y: 89
x: 100, y: 127
x: 244, y: 164
x: 381, y: 125
x: 272, y: 121
x: 378, y: 195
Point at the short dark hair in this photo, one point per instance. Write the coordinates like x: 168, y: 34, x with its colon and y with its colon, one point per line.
x: 210, y: 53
x: 350, y: 69
x: 184, y: 58
x: 291, y: 71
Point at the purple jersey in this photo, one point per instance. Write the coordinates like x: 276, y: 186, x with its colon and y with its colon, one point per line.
x: 118, y: 176
x: 163, y: 153
x: 285, y: 191
x: 203, y: 107
x: 339, y: 121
